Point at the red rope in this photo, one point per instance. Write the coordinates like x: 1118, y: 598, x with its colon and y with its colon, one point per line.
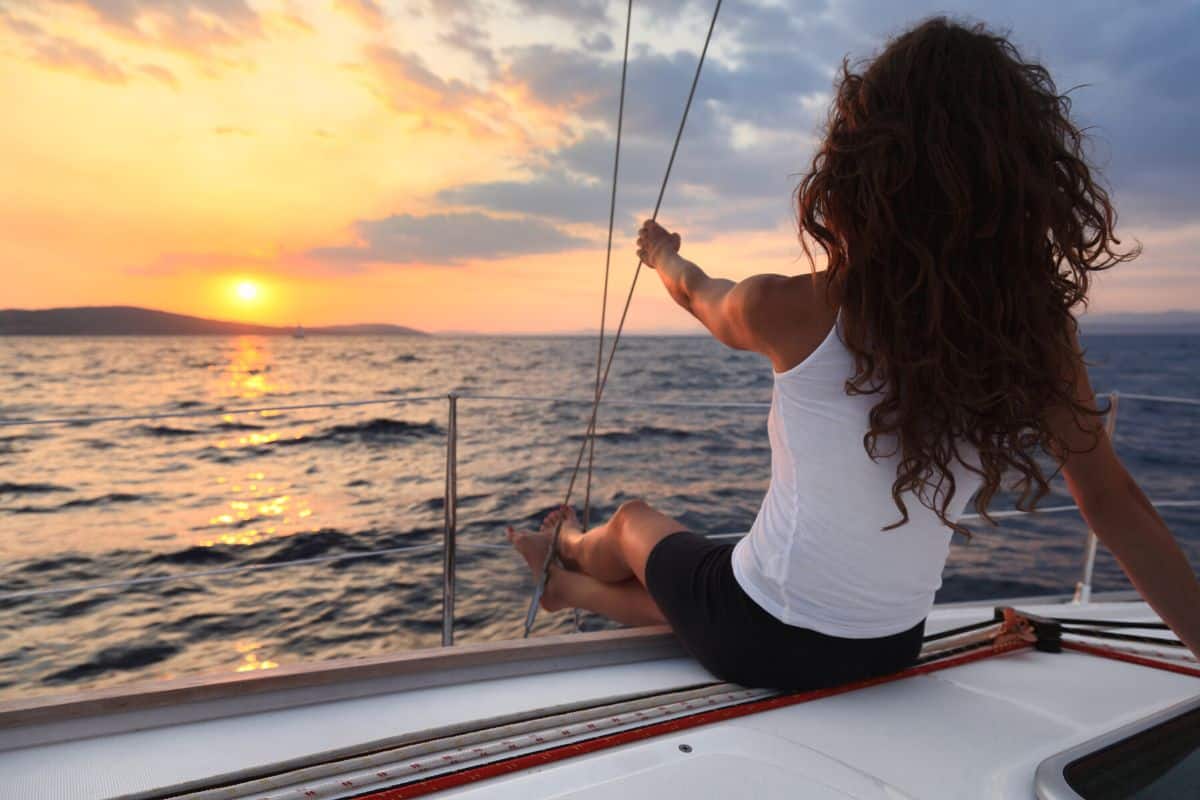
x: 495, y: 769
x: 1132, y: 659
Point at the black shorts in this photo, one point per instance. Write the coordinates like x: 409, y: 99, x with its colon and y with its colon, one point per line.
x: 691, y: 579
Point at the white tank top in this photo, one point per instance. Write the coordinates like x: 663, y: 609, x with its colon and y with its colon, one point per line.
x: 816, y: 556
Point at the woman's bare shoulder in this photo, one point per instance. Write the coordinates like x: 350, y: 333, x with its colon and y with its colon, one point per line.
x: 793, y: 315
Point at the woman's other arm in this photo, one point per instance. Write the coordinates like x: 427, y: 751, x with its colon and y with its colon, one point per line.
x: 1123, y: 519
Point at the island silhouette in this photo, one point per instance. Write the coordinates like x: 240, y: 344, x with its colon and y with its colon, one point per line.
x: 135, y: 321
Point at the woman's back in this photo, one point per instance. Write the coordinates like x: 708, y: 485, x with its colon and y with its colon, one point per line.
x: 817, y: 556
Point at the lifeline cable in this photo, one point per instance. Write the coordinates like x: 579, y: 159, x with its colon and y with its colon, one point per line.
x: 531, y: 615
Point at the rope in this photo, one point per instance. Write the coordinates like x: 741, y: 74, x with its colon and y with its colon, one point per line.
x: 645, y: 403
x: 1145, y: 652
x: 1058, y: 509
x: 1090, y: 633
x: 1074, y: 622
x: 531, y: 615
x: 612, y: 213
x: 1158, y: 398
x: 1123, y: 654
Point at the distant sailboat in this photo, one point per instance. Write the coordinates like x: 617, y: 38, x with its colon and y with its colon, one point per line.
x: 298, y: 333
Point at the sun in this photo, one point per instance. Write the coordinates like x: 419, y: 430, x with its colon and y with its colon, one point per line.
x: 246, y: 291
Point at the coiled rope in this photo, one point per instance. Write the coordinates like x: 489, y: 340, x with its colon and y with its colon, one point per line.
x: 531, y: 615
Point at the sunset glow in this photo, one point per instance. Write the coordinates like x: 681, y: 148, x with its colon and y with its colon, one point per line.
x: 447, y: 166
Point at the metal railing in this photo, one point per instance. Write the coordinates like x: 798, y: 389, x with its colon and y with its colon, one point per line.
x: 1083, y: 588
x: 450, y: 545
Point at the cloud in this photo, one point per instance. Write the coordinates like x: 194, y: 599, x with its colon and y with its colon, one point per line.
x: 749, y: 134
x: 232, y: 130
x: 472, y: 40
x: 201, y: 29
x: 367, y: 13
x: 577, y: 12
x: 556, y: 195
x: 599, y: 42
x: 67, y: 56
x: 404, y: 83
x: 445, y: 239
x: 765, y: 92
x: 160, y: 74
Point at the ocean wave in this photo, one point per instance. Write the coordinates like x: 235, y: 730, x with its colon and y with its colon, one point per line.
x: 79, y: 502
x: 131, y: 655
x: 227, y: 425
x: 193, y: 555
x: 30, y: 488
x: 104, y: 500
x: 165, y: 430
x: 640, y: 434
x: 378, y: 429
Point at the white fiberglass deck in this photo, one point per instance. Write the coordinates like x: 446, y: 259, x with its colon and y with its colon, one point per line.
x: 972, y: 731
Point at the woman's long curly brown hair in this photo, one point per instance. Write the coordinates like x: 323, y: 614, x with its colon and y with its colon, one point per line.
x: 961, y: 223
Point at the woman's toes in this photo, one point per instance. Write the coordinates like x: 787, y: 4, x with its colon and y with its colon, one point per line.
x: 572, y: 519
x: 550, y: 521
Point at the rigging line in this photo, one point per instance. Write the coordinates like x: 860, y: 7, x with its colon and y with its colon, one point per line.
x: 531, y: 614
x: 147, y: 417
x: 612, y: 212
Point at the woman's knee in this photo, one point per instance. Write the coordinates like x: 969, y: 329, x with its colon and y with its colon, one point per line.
x: 626, y: 514
x: 631, y: 507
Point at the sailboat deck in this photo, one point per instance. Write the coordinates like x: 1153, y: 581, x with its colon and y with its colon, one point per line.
x: 976, y: 730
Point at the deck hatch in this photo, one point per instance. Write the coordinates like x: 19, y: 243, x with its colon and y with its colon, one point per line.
x: 1156, y: 757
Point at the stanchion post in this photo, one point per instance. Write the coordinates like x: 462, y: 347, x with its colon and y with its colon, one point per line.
x: 450, y: 506
x: 1083, y: 589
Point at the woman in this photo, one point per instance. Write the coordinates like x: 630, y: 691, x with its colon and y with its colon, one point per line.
x: 936, y: 355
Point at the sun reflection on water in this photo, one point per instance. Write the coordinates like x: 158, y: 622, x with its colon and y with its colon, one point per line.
x: 249, y: 368
x: 248, y: 649
x: 266, y: 506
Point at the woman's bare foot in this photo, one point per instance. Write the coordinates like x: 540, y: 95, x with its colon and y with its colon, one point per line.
x: 533, y: 548
x: 568, y: 535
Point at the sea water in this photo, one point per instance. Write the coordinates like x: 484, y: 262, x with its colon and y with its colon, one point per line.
x: 222, y: 490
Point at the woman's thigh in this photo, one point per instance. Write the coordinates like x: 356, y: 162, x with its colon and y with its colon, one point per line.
x: 640, y: 527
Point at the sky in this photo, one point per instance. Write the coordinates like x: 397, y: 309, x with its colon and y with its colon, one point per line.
x: 447, y: 165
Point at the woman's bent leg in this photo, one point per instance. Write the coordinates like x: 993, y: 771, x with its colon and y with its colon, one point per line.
x: 627, y: 602
x: 617, y: 550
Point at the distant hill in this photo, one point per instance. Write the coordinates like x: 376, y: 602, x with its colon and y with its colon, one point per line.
x: 1131, y: 322
x: 133, y: 321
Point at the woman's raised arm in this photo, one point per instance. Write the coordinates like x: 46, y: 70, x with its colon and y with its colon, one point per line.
x: 768, y: 314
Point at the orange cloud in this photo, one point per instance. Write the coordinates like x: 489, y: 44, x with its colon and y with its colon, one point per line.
x: 366, y: 12
x: 160, y: 74
x: 67, y: 56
